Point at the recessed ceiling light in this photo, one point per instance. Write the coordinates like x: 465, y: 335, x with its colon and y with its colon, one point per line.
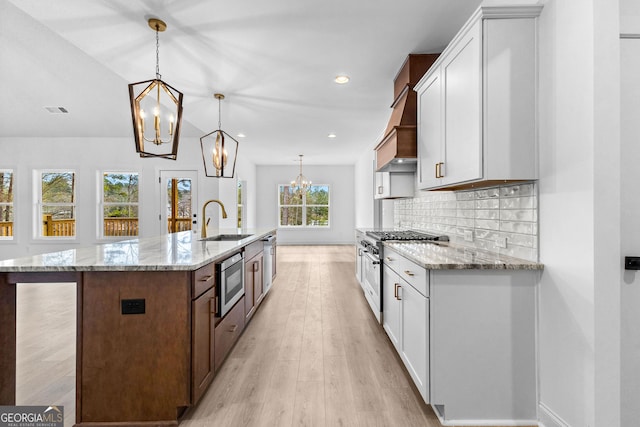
x: 57, y: 110
x: 331, y: 135
x: 342, y: 79
x: 241, y: 135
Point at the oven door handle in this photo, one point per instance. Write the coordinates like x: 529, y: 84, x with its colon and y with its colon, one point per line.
x: 373, y: 260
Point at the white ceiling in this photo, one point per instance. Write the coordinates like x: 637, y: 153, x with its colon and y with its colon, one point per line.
x: 274, y: 60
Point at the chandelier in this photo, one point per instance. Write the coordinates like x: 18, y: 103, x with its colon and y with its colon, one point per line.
x: 158, y: 134
x: 301, y: 183
x: 216, y: 147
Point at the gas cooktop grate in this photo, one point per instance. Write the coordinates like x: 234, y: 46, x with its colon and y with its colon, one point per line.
x: 404, y: 235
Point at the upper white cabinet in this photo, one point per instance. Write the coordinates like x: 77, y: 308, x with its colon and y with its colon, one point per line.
x: 477, y: 104
x: 394, y: 185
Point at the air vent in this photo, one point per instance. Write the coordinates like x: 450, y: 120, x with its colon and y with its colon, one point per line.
x: 57, y: 110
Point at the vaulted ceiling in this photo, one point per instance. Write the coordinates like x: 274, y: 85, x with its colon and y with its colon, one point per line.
x: 275, y: 61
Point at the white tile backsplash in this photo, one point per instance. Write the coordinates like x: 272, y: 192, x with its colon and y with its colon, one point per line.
x: 509, y: 211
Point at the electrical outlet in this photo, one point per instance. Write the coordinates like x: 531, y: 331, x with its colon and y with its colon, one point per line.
x: 468, y: 236
x: 501, y: 242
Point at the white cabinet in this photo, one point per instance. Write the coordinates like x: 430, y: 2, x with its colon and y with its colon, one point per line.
x: 394, y: 185
x: 466, y: 337
x: 415, y: 336
x: 430, y: 135
x: 406, y: 321
x: 482, y: 346
x: 359, y: 256
x: 391, y: 306
x: 477, y: 104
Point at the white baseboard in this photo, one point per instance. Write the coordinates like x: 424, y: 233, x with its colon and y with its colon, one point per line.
x: 481, y: 423
x: 548, y: 418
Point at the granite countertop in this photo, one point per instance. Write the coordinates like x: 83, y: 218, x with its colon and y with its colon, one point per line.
x: 448, y: 256
x: 182, y: 251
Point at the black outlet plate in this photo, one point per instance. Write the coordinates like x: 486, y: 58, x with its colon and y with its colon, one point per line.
x: 133, y: 306
x: 632, y: 263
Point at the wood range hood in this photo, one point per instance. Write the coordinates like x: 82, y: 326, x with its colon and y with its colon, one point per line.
x: 398, y: 148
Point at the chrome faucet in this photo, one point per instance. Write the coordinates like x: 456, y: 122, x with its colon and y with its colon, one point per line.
x: 203, y: 233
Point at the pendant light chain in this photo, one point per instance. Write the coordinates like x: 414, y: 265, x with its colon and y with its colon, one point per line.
x: 158, y: 75
x: 219, y: 115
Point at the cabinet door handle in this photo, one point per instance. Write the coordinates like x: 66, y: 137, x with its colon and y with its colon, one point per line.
x: 214, y: 302
x: 205, y: 278
x: 233, y: 328
x: 395, y: 290
x: 440, y: 170
x: 255, y: 266
x: 408, y: 273
x: 380, y: 189
x: 437, y: 174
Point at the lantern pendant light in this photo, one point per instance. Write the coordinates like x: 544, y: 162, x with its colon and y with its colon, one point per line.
x: 157, y: 137
x: 216, y: 147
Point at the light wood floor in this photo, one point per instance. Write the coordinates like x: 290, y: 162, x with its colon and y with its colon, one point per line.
x: 313, y: 355
x: 46, y: 346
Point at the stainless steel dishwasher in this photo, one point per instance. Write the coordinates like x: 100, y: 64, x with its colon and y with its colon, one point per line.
x: 268, y: 266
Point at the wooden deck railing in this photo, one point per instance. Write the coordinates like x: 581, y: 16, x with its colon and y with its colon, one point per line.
x: 112, y: 226
x: 178, y: 224
x: 58, y: 227
x: 121, y: 226
x: 6, y: 228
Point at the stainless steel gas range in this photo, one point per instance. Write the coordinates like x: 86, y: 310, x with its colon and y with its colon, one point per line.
x: 370, y: 253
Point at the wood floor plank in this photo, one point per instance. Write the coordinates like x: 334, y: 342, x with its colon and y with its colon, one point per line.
x: 309, y: 408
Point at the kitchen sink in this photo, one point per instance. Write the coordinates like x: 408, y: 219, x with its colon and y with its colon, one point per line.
x: 226, y: 237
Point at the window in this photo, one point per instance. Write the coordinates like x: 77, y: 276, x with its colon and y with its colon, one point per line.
x: 303, y: 209
x: 119, y: 210
x: 56, y: 204
x: 6, y: 204
x: 241, y: 202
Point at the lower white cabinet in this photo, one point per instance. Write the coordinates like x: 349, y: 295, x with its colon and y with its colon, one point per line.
x: 466, y: 337
x: 406, y: 321
x: 483, y: 346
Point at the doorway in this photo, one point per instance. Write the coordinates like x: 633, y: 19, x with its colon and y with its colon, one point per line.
x: 178, y: 201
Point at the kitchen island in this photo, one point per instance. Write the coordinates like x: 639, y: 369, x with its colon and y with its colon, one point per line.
x: 138, y: 348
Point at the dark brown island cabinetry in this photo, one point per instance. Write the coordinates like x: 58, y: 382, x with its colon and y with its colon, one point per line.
x: 134, y: 346
x: 253, y: 278
x: 148, y: 340
x: 228, y: 331
x: 203, y: 311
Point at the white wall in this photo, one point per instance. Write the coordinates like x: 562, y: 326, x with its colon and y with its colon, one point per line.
x: 630, y: 211
x: 87, y: 156
x: 342, y: 206
x: 245, y: 171
x: 579, y: 214
x: 363, y: 190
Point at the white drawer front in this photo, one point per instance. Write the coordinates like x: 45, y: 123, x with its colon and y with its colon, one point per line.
x: 413, y: 273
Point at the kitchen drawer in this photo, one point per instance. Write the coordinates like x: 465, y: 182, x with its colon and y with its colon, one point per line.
x: 228, y: 331
x: 416, y: 275
x: 253, y: 249
x: 202, y: 279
